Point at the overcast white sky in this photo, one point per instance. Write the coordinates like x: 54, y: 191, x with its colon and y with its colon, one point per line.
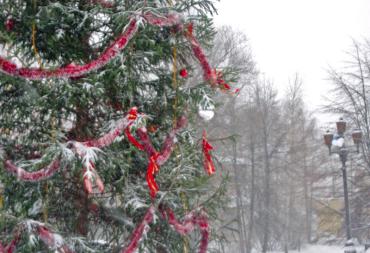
x: 304, y: 36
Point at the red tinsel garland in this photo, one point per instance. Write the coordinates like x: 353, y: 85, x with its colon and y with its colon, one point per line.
x: 103, y: 3
x: 139, y: 231
x: 169, y: 142
x: 188, y: 225
x: 73, y: 71
x: 108, y: 138
x: 146, y: 142
x: 35, y: 176
x: 171, y: 19
x: 90, y: 174
x: 120, y: 43
x: 208, y: 73
x: 55, y: 241
x: 12, y: 246
x: 155, y: 159
x: 52, y: 240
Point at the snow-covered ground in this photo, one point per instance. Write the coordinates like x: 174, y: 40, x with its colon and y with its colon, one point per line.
x: 321, y: 249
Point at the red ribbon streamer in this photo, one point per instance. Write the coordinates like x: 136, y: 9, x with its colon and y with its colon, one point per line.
x: 208, y: 163
x: 152, y: 170
x: 133, y: 140
x: 157, y: 159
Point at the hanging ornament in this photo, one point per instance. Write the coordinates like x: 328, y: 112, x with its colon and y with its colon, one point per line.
x: 183, y: 73
x: 206, y: 108
x: 208, y: 163
x: 206, y: 114
x: 9, y: 24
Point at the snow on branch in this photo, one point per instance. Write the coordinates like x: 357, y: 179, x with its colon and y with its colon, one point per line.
x: 86, y: 151
x: 53, y: 240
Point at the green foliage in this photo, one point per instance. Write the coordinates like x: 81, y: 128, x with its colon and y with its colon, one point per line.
x: 80, y: 109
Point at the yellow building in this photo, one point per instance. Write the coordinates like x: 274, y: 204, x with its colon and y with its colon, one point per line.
x: 329, y: 215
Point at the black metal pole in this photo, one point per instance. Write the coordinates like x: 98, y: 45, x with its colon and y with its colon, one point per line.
x: 346, y: 202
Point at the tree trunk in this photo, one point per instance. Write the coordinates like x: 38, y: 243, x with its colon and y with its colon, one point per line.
x: 80, y: 133
x: 239, y: 201
x: 266, y: 195
x: 307, y: 204
x: 252, y: 200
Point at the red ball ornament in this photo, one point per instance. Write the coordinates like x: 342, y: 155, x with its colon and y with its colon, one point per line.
x: 183, y: 73
x: 226, y: 86
x: 9, y: 24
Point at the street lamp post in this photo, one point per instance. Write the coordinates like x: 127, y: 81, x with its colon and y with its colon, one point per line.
x: 336, y: 145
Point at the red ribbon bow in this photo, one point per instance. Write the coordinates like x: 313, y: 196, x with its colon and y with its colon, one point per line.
x: 208, y: 163
x: 153, y: 169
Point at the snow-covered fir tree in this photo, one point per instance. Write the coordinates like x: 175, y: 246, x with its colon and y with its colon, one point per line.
x: 99, y: 152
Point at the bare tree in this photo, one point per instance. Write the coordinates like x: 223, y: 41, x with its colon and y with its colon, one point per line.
x: 350, y: 99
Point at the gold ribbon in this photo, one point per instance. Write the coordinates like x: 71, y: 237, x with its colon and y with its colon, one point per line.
x: 45, y: 212
x: 34, y: 31
x: 175, y: 104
